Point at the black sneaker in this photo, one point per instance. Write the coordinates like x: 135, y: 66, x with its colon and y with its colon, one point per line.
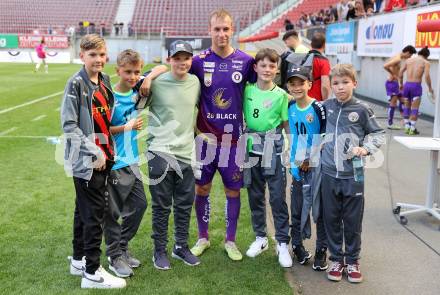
x: 120, y: 267
x: 320, y: 262
x: 133, y: 262
x: 302, y: 255
x: 160, y: 260
x: 183, y: 253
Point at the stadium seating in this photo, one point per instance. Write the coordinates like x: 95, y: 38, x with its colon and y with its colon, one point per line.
x: 183, y: 17
x: 26, y: 16
x: 307, y: 6
x: 190, y: 17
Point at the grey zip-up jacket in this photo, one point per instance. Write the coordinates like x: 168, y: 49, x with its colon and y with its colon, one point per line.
x: 78, y: 126
x: 349, y: 124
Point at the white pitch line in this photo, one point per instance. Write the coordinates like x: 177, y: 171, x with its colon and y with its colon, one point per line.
x: 30, y: 102
x: 35, y: 101
x: 38, y: 118
x: 24, y: 136
x: 8, y: 131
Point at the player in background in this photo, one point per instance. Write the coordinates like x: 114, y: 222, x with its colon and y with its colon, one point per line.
x: 392, y: 66
x: 41, y: 53
x: 415, y: 69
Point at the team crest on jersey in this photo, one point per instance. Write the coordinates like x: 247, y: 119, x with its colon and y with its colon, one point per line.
x: 207, y: 79
x: 309, y: 118
x: 353, y: 117
x: 219, y: 101
x: 267, y: 104
x: 237, y: 77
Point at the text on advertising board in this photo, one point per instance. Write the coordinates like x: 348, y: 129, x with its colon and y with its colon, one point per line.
x: 380, y: 34
x: 430, y: 39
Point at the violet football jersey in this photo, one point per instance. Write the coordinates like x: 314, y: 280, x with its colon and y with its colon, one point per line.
x: 221, y: 99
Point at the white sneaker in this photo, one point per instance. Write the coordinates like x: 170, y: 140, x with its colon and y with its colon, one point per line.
x: 101, y: 279
x: 260, y: 245
x: 77, y: 266
x: 284, y: 257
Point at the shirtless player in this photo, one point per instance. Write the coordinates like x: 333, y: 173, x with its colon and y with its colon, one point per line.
x: 412, y: 89
x: 392, y: 66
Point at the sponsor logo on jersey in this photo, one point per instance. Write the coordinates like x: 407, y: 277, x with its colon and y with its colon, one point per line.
x: 353, y: 117
x: 207, y: 79
x: 223, y: 67
x: 208, y: 70
x: 237, y: 77
x: 237, y: 67
x: 237, y: 61
x: 267, y: 104
x: 209, y: 64
x: 219, y: 101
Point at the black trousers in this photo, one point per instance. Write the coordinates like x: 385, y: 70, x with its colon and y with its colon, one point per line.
x: 169, y: 189
x: 129, y: 203
x: 92, y: 202
x: 343, y: 208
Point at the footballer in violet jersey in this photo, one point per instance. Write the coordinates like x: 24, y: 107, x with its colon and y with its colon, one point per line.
x: 221, y: 101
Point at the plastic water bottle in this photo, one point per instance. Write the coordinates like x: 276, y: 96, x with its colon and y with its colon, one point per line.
x: 358, y: 168
x: 53, y: 140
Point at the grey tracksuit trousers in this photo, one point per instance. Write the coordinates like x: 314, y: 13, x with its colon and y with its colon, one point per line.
x: 130, y: 203
x: 343, y: 208
x: 277, y: 200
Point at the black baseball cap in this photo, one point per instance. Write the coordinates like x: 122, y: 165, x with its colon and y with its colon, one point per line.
x: 298, y: 71
x: 179, y: 46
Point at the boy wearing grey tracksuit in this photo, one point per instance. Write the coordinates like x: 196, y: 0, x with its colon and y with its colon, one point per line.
x: 351, y: 133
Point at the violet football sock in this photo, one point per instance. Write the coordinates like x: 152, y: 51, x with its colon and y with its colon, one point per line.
x: 232, y: 214
x: 406, y: 112
x: 391, y: 110
x: 401, y: 108
x: 203, y: 210
x: 415, y: 113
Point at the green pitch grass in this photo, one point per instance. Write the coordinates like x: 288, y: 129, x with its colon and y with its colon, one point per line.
x: 37, y: 202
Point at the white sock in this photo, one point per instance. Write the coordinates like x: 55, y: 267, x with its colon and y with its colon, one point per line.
x: 46, y: 68
x: 413, y: 125
x: 37, y: 66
